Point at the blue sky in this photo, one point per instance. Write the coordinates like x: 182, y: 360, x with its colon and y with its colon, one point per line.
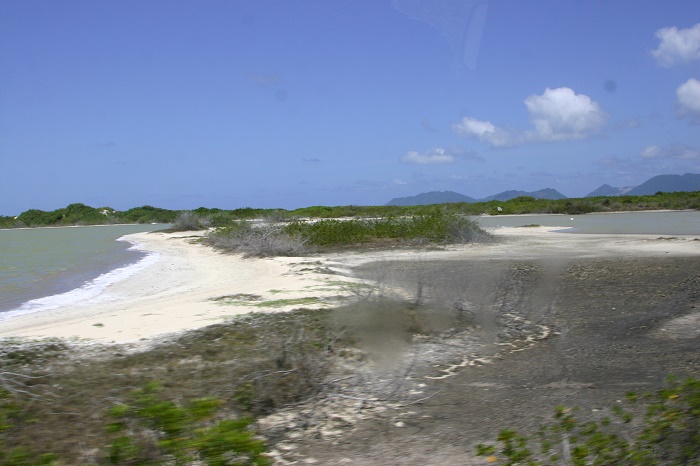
x: 292, y: 103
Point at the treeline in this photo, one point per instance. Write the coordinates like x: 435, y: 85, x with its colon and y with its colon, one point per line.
x: 518, y: 205
x: 80, y: 214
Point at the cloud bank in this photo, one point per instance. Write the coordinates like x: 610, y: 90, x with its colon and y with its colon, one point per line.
x: 557, y: 115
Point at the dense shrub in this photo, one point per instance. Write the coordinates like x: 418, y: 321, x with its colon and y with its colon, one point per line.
x: 35, y: 217
x: 436, y: 226
x: 81, y: 214
x: 147, y: 214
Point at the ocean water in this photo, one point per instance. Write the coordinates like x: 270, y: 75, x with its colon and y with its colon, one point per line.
x: 44, y: 268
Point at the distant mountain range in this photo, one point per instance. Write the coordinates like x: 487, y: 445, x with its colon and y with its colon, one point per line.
x: 664, y: 183
x: 607, y: 190
x: 547, y: 193
x: 444, y: 197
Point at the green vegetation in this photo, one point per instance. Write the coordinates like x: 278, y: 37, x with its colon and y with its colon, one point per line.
x: 255, y: 300
x: 311, y: 300
x: 189, y: 400
x: 436, y: 225
x: 669, y: 433
x: 153, y: 430
x: 79, y: 214
x: 146, y: 214
x: 100, y: 407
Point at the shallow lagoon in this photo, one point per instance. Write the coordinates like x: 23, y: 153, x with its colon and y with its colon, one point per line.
x: 40, y: 262
x: 649, y: 223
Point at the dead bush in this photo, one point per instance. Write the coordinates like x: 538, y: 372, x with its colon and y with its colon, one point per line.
x: 260, y: 239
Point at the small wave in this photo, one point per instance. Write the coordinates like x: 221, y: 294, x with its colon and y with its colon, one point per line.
x: 91, y: 291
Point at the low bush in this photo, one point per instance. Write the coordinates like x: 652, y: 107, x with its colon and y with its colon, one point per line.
x: 276, y: 238
x: 154, y: 430
x: 108, y: 411
x: 669, y: 434
x: 189, y: 221
x: 436, y: 226
x: 264, y: 239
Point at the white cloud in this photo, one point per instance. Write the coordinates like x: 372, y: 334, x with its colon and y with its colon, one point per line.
x: 484, y: 131
x: 677, y: 46
x: 561, y: 114
x: 688, y: 95
x: 672, y: 151
x: 433, y: 156
x: 557, y: 115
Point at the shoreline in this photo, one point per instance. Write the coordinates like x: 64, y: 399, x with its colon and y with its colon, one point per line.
x: 178, y: 292
x: 589, y: 213
x: 191, y: 285
x: 44, y: 268
x: 83, y: 226
x: 90, y: 290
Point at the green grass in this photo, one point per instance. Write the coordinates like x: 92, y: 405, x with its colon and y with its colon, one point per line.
x: 256, y: 301
x: 237, y: 299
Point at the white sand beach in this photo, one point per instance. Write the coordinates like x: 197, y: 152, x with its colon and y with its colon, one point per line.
x: 179, y: 291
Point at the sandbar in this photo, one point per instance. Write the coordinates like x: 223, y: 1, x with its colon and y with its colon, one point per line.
x: 192, y: 285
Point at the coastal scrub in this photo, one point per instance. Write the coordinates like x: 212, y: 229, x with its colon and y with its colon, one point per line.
x: 437, y: 226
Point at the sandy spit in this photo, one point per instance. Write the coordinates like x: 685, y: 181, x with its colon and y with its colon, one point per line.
x: 178, y: 291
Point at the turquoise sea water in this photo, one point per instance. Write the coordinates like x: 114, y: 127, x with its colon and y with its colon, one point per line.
x: 46, y: 267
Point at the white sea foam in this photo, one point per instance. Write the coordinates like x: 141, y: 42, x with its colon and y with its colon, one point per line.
x: 92, y: 291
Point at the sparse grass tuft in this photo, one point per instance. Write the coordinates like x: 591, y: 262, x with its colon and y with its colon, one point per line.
x: 311, y: 300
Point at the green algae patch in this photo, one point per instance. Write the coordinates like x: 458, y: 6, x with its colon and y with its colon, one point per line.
x: 237, y: 299
x: 291, y: 302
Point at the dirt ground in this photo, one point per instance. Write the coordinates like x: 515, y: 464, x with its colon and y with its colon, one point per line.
x: 575, y: 332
